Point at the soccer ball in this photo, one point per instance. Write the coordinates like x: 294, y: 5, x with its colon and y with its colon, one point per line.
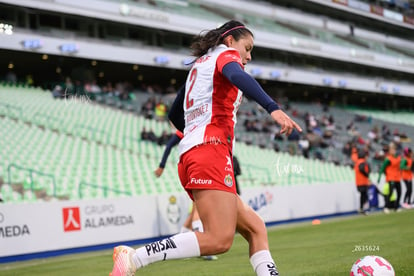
x: 372, y: 266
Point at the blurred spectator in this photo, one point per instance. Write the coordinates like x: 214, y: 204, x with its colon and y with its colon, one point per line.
x: 292, y: 148
x: 386, y: 133
x: 379, y: 155
x: 360, y: 140
x: 11, y: 77
x: 237, y: 172
x: 160, y: 111
x: 147, y: 109
x: 163, y: 139
x: 294, y: 136
x: 392, y: 170
x: 373, y: 134
x: 108, y: 89
x: 314, y: 139
x: 29, y: 80
x: 304, y: 146
x: 148, y: 135
x: 276, y: 136
x: 92, y: 87
x: 407, y: 176
x: 57, y: 92
x: 353, y: 131
x: 318, y: 155
x: 362, y: 171
x: 347, y: 149
x: 354, y: 154
x: 251, y: 126
x: 69, y: 88
x: 78, y: 88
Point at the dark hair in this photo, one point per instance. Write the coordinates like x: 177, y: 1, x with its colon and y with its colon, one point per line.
x: 214, y: 37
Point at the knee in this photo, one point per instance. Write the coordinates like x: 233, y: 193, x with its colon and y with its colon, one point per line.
x: 223, y: 247
x: 222, y: 244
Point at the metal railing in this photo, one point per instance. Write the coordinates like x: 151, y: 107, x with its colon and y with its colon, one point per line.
x: 31, y: 172
x: 105, y: 189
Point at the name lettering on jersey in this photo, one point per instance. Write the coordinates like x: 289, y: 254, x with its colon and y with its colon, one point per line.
x: 201, y: 181
x: 159, y: 246
x: 197, y: 112
x: 203, y: 59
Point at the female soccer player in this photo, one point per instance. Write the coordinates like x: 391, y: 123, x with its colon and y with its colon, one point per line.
x: 207, y: 114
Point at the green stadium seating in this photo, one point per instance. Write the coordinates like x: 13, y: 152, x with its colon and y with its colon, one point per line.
x: 74, y: 149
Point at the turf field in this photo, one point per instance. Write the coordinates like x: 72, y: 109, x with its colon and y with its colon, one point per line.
x: 299, y: 249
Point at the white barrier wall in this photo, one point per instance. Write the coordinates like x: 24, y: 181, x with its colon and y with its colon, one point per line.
x: 295, y: 202
x: 28, y: 228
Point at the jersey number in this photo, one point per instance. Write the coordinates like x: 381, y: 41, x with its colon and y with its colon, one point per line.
x: 193, y: 75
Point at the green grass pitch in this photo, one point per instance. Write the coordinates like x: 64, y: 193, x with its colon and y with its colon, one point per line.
x: 298, y: 249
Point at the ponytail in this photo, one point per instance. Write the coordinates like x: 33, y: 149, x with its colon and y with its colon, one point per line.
x: 203, y: 42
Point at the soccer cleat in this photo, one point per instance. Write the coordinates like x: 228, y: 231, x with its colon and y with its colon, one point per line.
x: 123, y: 263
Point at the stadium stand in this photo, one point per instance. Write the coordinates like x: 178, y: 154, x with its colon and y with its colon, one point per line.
x: 51, y: 151
x: 47, y: 155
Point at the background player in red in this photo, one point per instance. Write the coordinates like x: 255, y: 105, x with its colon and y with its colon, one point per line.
x: 207, y: 114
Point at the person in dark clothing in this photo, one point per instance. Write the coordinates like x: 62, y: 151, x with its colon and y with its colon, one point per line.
x: 173, y: 141
x: 237, y: 172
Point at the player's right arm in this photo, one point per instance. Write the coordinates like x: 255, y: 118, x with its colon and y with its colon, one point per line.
x: 176, y: 114
x: 174, y: 140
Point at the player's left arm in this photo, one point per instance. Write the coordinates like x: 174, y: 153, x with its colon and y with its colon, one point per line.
x: 246, y: 83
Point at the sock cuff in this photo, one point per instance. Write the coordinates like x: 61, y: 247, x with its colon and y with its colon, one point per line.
x: 190, y: 240
x: 262, y: 256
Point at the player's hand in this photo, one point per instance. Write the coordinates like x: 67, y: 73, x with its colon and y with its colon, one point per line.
x: 286, y: 123
x: 158, y: 172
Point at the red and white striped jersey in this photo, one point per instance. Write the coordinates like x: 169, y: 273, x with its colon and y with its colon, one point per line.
x: 211, y: 100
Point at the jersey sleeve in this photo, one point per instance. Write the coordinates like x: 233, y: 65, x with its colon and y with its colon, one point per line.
x: 179, y: 134
x: 176, y: 113
x: 174, y: 140
x: 226, y: 57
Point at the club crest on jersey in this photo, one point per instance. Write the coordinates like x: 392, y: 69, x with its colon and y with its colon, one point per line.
x: 228, y: 180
